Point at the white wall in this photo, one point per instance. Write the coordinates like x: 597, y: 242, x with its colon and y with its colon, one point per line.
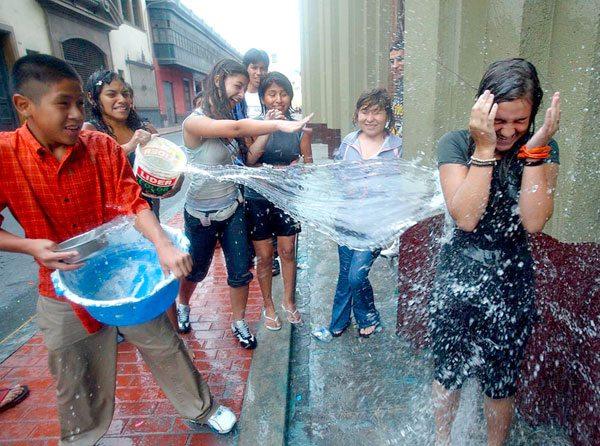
x: 129, y: 42
x: 28, y: 21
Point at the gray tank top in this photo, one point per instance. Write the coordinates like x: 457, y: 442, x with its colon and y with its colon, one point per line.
x: 205, y: 194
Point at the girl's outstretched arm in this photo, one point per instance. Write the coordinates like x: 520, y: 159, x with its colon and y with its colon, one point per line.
x: 199, y: 127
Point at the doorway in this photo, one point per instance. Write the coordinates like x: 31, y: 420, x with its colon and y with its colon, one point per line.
x: 169, y: 103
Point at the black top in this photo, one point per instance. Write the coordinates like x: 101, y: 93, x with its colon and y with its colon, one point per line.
x: 500, y: 225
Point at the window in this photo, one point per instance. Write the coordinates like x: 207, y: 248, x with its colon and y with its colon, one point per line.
x: 126, y: 11
x: 138, y: 19
x: 187, y: 94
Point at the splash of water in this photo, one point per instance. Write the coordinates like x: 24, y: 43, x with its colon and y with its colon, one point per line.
x: 362, y: 205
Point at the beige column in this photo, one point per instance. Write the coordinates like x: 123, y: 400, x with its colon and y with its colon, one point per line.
x: 344, y: 47
x: 448, y: 46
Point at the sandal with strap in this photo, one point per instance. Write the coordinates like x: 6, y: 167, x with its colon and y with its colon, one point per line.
x: 18, y: 394
x: 274, y: 320
x: 293, y: 317
x: 377, y: 328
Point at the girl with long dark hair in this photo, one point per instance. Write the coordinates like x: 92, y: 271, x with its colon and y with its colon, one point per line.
x: 498, y: 180
x: 113, y: 113
x: 266, y: 221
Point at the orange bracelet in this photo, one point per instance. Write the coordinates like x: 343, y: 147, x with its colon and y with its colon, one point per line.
x: 536, y: 153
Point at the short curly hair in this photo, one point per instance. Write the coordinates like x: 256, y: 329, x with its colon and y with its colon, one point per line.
x: 377, y: 97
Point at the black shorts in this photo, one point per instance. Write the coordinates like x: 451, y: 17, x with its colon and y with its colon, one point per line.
x: 480, y: 319
x: 266, y: 221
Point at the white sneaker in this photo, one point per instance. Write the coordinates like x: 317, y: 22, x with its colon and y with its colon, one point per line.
x: 183, y: 318
x: 222, y: 420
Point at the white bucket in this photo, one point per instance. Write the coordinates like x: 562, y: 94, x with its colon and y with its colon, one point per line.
x: 158, y: 165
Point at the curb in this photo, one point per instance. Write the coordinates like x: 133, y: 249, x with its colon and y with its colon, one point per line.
x: 17, y: 339
x: 264, y: 410
x: 166, y: 130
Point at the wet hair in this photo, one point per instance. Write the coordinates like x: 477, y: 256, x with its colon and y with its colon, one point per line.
x: 281, y: 80
x: 398, y: 45
x: 255, y: 56
x: 41, y: 68
x: 215, y: 103
x: 512, y: 79
x: 93, y: 87
x: 377, y: 97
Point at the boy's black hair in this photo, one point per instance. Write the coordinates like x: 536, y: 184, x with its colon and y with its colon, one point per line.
x: 398, y: 45
x: 512, y: 79
x: 377, y: 97
x: 254, y: 56
x: 277, y: 78
x: 93, y: 87
x: 41, y: 68
x: 215, y: 103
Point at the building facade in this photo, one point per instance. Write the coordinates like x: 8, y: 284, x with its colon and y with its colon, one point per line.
x: 448, y: 46
x: 89, y: 34
x: 185, y: 49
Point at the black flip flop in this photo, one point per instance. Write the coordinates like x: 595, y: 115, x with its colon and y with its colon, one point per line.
x: 337, y: 334
x: 20, y: 397
x: 378, y: 329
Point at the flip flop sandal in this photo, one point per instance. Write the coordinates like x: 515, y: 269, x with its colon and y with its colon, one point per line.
x: 274, y: 320
x: 337, y: 334
x: 20, y: 396
x: 292, y: 314
x: 378, y: 328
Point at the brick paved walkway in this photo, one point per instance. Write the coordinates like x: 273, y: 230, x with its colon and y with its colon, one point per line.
x: 143, y: 415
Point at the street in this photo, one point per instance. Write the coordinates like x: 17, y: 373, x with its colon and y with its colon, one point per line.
x: 18, y: 272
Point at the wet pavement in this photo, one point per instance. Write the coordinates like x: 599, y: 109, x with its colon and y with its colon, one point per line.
x: 18, y: 292
x: 355, y: 391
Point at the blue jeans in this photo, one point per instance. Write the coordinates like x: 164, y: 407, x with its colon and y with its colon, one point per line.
x: 233, y: 237
x: 354, y: 291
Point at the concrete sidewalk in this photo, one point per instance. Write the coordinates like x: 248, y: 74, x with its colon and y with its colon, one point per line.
x: 374, y: 391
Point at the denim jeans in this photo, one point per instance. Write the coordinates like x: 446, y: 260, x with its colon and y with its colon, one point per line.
x: 233, y: 237
x: 354, y: 291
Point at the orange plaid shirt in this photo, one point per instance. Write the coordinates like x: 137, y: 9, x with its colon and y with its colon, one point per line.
x: 57, y: 200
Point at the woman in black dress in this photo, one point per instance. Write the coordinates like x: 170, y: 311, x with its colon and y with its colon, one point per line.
x: 498, y: 180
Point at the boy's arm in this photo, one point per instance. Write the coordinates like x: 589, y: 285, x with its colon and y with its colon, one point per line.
x: 42, y: 250
x: 128, y: 192
x: 171, y: 258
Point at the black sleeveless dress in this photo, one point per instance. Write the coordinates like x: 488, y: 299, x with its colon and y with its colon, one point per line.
x: 482, y: 305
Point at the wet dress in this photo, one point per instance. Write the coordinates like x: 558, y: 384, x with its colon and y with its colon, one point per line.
x: 482, y: 308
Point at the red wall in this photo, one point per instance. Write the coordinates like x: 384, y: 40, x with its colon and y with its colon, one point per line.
x: 175, y: 76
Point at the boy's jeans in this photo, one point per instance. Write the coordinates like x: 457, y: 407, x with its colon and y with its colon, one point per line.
x: 354, y: 291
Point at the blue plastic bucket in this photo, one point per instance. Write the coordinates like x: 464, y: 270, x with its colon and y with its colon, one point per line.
x: 123, y: 284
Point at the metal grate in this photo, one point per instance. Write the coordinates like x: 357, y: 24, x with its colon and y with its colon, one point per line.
x: 85, y: 57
